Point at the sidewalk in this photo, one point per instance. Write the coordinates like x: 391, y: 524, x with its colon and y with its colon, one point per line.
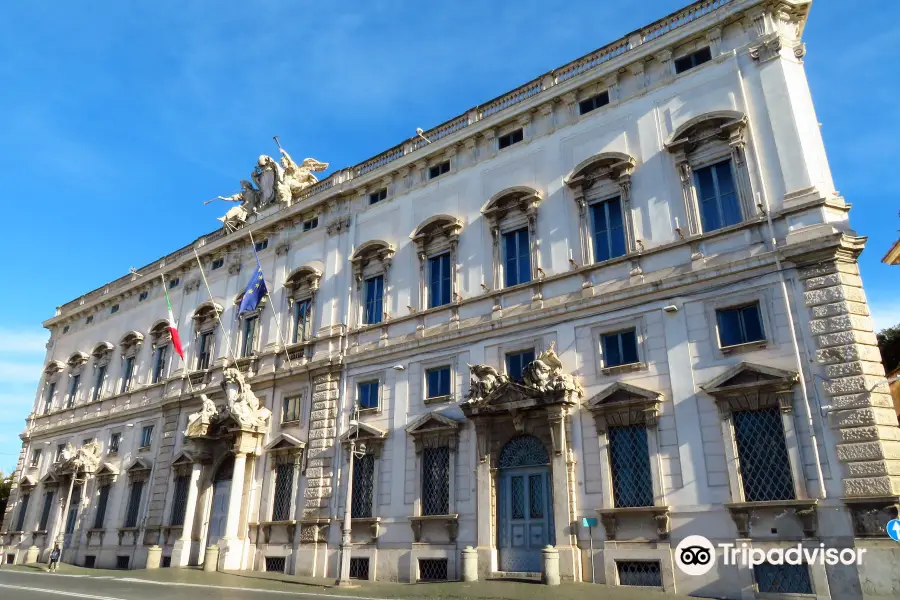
x: 286, y: 584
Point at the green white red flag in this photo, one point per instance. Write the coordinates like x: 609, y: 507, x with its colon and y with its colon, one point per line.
x: 173, y: 327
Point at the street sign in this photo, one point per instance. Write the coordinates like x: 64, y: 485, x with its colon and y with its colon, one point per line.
x: 893, y: 529
x: 589, y: 522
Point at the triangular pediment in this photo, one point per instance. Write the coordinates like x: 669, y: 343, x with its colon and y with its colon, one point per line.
x: 284, y: 441
x: 50, y: 478
x: 746, y: 375
x: 183, y: 458
x: 433, y: 421
x: 622, y: 393
x: 363, y: 431
x: 138, y: 465
x: 27, y: 481
x: 512, y: 393
x: 107, y: 469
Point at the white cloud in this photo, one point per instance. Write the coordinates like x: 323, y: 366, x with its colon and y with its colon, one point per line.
x: 23, y: 341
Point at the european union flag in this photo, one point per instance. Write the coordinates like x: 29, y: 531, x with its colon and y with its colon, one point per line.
x: 255, y: 291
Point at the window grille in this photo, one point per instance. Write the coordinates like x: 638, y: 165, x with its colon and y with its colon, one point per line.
x: 740, y: 325
x: 275, y: 564
x: 101, y: 507
x: 134, y: 504
x: 363, y: 486
x: 783, y: 579
x: 717, y: 196
x: 374, y: 300
x: 90, y: 561
x: 23, y: 510
x: 432, y: 569
x: 122, y: 562
x: 284, y: 487
x: 436, y: 481
x: 439, y: 280
x: 516, y: 363
x: 517, y: 257
x: 359, y: 568
x: 642, y: 573
x: 523, y: 451
x: 45, y: 513
x: 179, y: 500
x: 762, y: 454
x: 629, y: 458
x: 609, y: 229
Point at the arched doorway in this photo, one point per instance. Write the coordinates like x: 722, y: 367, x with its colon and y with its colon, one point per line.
x: 524, y: 504
x: 221, y: 493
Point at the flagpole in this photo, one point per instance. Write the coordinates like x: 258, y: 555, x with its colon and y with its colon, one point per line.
x: 175, y: 325
x: 271, y: 302
x: 218, y: 319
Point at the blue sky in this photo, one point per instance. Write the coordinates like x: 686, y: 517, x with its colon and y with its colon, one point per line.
x: 118, y: 121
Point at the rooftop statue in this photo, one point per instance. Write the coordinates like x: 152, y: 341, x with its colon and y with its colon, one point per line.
x: 249, y: 201
x: 269, y: 178
x: 299, y: 177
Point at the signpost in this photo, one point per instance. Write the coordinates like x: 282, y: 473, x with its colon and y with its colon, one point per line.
x: 590, y: 523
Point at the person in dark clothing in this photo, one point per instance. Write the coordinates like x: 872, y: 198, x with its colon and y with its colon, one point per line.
x: 54, y: 558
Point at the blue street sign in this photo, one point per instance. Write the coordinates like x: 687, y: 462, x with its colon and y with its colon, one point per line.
x: 589, y: 522
x: 893, y: 529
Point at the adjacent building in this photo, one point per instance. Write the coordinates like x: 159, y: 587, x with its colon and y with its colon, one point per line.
x: 626, y: 290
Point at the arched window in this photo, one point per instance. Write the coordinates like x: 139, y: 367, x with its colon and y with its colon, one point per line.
x: 51, y: 379
x: 76, y: 364
x: 248, y: 326
x: 102, y: 353
x: 523, y: 451
x: 715, y: 182
x: 602, y: 189
x: 301, y: 287
x: 205, y: 319
x: 512, y: 217
x: 160, y: 339
x: 130, y: 345
x: 371, y: 264
x: 436, y: 242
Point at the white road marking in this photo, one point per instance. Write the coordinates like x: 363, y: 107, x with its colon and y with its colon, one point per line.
x: 58, y: 592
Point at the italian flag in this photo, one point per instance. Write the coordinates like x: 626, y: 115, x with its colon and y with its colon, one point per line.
x: 173, y: 328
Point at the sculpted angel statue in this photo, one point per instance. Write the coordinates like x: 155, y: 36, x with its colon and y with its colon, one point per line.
x: 298, y: 177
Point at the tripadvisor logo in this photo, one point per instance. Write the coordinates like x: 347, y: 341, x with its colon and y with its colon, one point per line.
x: 696, y: 555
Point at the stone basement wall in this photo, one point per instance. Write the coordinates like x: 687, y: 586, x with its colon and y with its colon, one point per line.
x: 868, y: 435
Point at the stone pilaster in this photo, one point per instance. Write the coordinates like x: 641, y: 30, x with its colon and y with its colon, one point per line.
x: 320, y: 451
x: 13, y: 500
x: 162, y: 477
x: 862, y: 412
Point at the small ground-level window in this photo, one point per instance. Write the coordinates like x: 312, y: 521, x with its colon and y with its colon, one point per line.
x: 432, y: 569
x: 275, y: 564
x: 642, y: 573
x: 122, y: 562
x: 782, y: 579
x: 90, y: 561
x: 359, y: 568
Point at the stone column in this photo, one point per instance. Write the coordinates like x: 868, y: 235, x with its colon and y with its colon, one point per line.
x: 562, y: 493
x: 230, y: 545
x: 181, y: 551
x: 484, y: 477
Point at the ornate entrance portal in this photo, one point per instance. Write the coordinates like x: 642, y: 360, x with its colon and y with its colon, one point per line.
x: 525, y: 515
x: 221, y: 492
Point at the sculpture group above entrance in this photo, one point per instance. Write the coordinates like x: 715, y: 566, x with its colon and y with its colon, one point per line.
x: 242, y: 410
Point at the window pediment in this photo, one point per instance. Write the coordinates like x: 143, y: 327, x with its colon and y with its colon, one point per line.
x: 434, y: 430
x: 27, y: 482
x: 106, y: 474
x: 50, y: 478
x: 207, y: 310
x: 132, y: 338
x: 54, y: 366
x: 183, y: 458
x: 77, y: 359
x: 369, y: 436
x: 138, y: 469
x: 749, y: 386
x: 436, y: 228
x: 285, y: 442
x: 623, y: 404
x: 371, y: 251
x: 604, y: 165
x: 520, y: 198
x: 727, y: 125
x: 307, y: 276
x: 102, y: 349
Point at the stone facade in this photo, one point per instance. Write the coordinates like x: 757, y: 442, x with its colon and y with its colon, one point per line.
x: 535, y: 300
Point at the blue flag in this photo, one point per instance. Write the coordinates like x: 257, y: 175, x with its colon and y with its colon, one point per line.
x: 255, y: 291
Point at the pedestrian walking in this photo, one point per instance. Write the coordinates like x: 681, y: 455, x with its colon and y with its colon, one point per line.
x: 54, y: 558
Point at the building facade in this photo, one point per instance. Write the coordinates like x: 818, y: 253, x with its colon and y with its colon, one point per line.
x: 627, y: 290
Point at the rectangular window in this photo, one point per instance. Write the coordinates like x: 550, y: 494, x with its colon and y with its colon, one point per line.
x: 359, y: 568
x: 249, y: 335
x: 60, y: 448
x: 127, y: 373
x: 376, y: 197
x: 437, y: 382
x: 310, y: 224
x: 609, y: 229
x: 45, y: 511
x: 143, y: 296
x: 432, y: 569
x: 218, y: 263
x: 629, y: 458
x: 48, y: 398
x: 302, y: 321
x: 114, y: 309
x: 159, y: 363
x: 513, y: 137
x: 717, y: 196
x: 134, y: 504
x: 23, y: 510
x: 290, y: 409
x: 147, y: 436
x: 439, y: 169
x: 641, y: 573
x: 261, y: 245
x: 114, y: 440
x: 102, y: 501
x: 204, y: 350
x: 179, y: 500
x: 620, y: 348
x: 73, y: 390
x: 517, y: 257
x: 364, y: 486
x: 173, y: 283
x: 36, y: 457
x: 436, y: 481
x: 782, y: 579
x: 89, y: 320
x: 439, y: 280
x: 98, y: 382
x: 740, y: 325
x: 593, y: 103
x: 516, y: 363
x: 367, y: 392
x: 765, y: 467
x: 284, y: 489
x: 694, y: 59
x: 374, y: 300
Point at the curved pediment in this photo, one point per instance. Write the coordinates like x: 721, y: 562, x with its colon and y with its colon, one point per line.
x: 305, y: 274
x: 102, y: 348
x: 436, y: 225
x: 373, y: 249
x: 130, y: 338
x: 207, y: 309
x: 77, y: 359
x: 609, y: 164
x: 54, y: 366
x: 520, y: 196
x: 714, y: 124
